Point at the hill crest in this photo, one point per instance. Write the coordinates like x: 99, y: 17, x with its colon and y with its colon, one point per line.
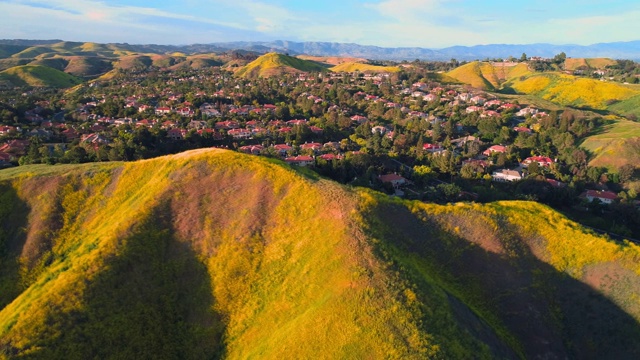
x: 271, y: 64
x: 388, y: 278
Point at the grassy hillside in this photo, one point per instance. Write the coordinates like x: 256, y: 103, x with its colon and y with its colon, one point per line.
x: 471, y: 74
x: 575, y: 91
x: 8, y: 50
x: 134, y: 62
x: 38, y: 76
x: 357, y: 66
x: 217, y: 254
x: 593, y: 63
x: 487, y: 76
x: 616, y: 144
x: 273, y: 63
x: 9, y: 63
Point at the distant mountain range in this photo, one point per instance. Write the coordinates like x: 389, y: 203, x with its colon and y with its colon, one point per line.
x: 616, y: 50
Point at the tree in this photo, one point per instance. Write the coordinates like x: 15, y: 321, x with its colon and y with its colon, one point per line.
x: 422, y: 174
x: 523, y: 57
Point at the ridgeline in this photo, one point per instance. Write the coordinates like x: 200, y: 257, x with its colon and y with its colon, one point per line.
x: 216, y: 254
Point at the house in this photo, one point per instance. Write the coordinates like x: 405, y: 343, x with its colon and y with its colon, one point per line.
x: 504, y: 175
x: 527, y: 110
x: 476, y: 163
x: 477, y: 100
x: 282, y: 148
x: 430, y: 97
x: 252, y: 149
x: 240, y: 133
x: 606, y: 197
x: 522, y: 129
x: 500, y: 149
x: 490, y: 113
x: 493, y: 103
x: 432, y: 147
x: 541, y: 160
x: 176, y: 134
x: 163, y: 110
x: 300, y: 160
x: 359, y: 119
x: 393, y: 179
x: 296, y: 122
x: 460, y: 142
x: 313, y: 146
x: 330, y: 157
x: 143, y: 108
x: 226, y: 125
x: 185, y: 111
x: 473, y: 108
x: 316, y: 130
x: 556, y: 183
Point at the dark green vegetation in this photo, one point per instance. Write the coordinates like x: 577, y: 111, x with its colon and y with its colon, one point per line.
x: 210, y: 254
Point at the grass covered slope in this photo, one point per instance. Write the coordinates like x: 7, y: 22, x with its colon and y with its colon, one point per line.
x: 615, y: 145
x: 358, y: 66
x: 272, y: 64
x: 487, y: 76
x: 574, y: 91
x: 213, y: 253
x: 588, y: 63
x: 38, y: 76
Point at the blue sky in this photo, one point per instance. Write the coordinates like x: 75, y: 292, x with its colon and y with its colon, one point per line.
x: 423, y: 23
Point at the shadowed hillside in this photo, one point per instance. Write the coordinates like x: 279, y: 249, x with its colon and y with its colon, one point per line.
x: 38, y: 76
x: 215, y: 254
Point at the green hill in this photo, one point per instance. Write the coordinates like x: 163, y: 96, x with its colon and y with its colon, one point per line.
x: 9, y: 50
x: 615, y: 145
x: 274, y: 64
x: 38, y: 76
x: 212, y: 253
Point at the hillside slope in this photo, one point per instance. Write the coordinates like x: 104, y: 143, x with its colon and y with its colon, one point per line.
x: 38, y: 76
x: 212, y: 253
x: 575, y: 91
x: 488, y: 76
x: 358, y: 66
x: 272, y: 64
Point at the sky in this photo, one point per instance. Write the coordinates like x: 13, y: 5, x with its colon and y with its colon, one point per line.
x: 390, y: 23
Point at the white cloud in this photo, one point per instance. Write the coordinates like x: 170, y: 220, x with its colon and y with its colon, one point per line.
x: 408, y: 9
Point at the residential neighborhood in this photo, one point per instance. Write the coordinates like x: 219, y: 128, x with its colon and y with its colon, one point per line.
x: 362, y: 129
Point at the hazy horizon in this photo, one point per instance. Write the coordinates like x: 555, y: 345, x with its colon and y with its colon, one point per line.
x: 429, y: 24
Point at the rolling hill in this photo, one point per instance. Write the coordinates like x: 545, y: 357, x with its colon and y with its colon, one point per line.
x: 594, y: 63
x: 274, y: 64
x: 616, y: 144
x: 487, y: 76
x: 361, y: 67
x: 38, y: 76
x: 568, y: 90
x: 213, y: 253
